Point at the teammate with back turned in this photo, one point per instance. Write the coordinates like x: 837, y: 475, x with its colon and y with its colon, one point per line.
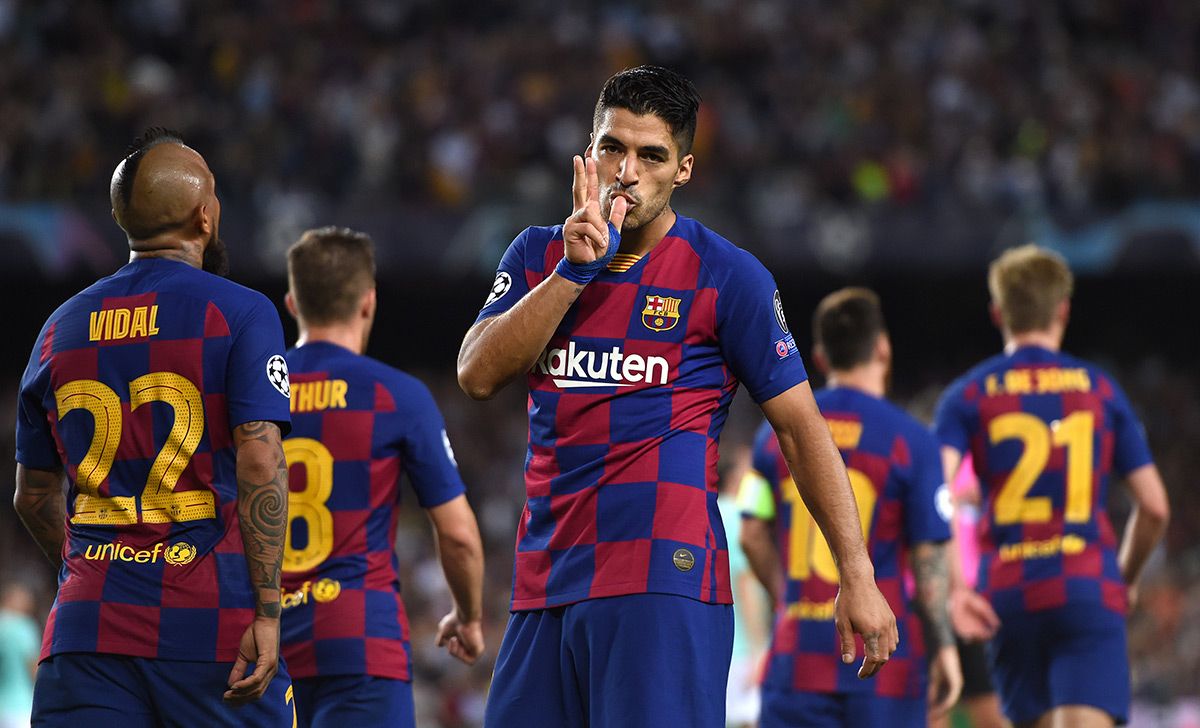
x: 896, y: 472
x: 159, y: 393
x: 1045, y: 430
x: 634, y: 327
x: 358, y: 425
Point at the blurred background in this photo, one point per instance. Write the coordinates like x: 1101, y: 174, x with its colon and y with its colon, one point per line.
x: 899, y: 145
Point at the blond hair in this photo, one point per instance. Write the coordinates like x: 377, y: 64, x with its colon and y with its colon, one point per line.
x: 1027, y: 285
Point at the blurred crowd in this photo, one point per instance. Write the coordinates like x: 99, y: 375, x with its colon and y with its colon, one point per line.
x: 489, y: 441
x: 817, y: 116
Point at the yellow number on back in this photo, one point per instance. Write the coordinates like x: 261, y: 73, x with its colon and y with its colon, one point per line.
x: 808, y: 551
x: 1075, y: 433
x: 162, y: 504
x: 309, y: 504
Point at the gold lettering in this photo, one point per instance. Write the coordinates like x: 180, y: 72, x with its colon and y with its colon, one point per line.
x: 321, y: 395
x: 154, y: 320
x: 338, y: 397
x: 96, y: 324
x: 1018, y: 381
x: 846, y: 433
x: 142, y: 557
x: 120, y: 323
x: 138, y: 327
x: 306, y: 397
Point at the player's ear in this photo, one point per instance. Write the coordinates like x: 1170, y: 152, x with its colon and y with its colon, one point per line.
x: 684, y: 174
x: 820, y: 359
x: 369, y: 302
x: 997, y: 317
x: 883, y: 349
x: 1063, y: 312
x: 204, y: 219
x: 289, y: 303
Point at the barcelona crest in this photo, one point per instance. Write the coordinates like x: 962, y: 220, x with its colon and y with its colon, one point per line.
x: 661, y: 313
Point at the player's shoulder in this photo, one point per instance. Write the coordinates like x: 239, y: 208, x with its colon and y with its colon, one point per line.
x: 1101, y: 381
x: 407, y: 391
x: 969, y: 382
x: 535, y: 238
x: 718, y: 254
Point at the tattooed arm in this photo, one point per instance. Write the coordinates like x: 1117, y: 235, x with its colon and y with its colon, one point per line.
x: 262, y: 512
x: 932, y: 574
x: 40, y: 503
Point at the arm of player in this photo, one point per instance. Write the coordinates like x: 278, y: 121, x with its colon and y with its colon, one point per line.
x: 460, y: 550
x: 930, y: 569
x: 970, y: 612
x: 821, y: 479
x: 762, y: 554
x: 262, y: 477
x: 1146, y: 525
x: 41, y: 506
x: 498, y: 349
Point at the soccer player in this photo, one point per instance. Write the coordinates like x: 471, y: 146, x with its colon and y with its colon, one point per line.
x: 633, y: 327
x: 159, y: 393
x: 1045, y: 430
x: 358, y: 424
x: 896, y: 472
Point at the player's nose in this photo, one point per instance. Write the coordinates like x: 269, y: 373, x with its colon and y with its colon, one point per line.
x: 627, y: 173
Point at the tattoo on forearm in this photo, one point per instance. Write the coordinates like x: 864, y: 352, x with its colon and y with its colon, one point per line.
x: 42, y: 508
x: 262, y: 510
x: 932, y: 575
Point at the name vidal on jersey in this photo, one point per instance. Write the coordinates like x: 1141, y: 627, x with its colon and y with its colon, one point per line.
x: 585, y: 368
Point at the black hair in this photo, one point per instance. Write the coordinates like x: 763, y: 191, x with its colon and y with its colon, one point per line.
x: 654, y: 90
x: 147, y: 140
x: 846, y: 325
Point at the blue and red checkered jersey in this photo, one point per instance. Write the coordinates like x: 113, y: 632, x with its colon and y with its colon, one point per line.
x: 134, y: 387
x: 357, y: 426
x: 1044, y: 430
x: 895, y: 470
x: 626, y: 406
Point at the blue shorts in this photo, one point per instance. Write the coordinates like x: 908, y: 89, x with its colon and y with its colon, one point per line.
x: 788, y: 708
x: 91, y: 689
x: 1072, y: 655
x: 635, y: 661
x: 346, y: 701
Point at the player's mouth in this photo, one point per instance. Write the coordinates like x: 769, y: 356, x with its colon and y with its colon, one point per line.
x: 628, y: 197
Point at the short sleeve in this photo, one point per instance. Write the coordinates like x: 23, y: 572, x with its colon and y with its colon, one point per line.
x: 928, y: 506
x: 753, y: 332
x: 1130, y: 448
x: 510, y: 284
x: 35, y: 441
x: 951, y: 420
x: 426, y: 454
x: 256, y: 382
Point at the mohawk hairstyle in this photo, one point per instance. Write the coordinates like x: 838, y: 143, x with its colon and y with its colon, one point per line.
x: 148, y: 139
x: 654, y: 90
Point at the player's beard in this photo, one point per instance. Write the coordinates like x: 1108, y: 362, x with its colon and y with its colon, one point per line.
x: 216, y: 258
x: 640, y: 215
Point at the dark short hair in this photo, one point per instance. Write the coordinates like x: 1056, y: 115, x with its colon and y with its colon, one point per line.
x: 654, y: 90
x: 329, y: 269
x: 147, y: 140
x: 846, y: 325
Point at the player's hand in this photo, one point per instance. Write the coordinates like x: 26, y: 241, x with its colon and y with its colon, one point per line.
x: 860, y: 608
x: 972, y: 615
x: 462, y: 639
x: 585, y: 233
x: 945, y: 680
x: 259, y: 648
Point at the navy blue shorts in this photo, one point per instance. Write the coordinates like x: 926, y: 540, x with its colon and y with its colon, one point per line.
x: 635, y: 661
x: 349, y: 701
x: 89, y: 689
x: 789, y: 708
x: 1072, y: 655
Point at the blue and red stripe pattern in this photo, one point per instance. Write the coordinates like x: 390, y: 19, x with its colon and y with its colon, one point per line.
x: 358, y: 426
x: 134, y: 387
x: 1045, y: 431
x: 626, y: 406
x: 896, y: 473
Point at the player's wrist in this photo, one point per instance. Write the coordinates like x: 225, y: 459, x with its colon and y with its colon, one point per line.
x: 583, y: 273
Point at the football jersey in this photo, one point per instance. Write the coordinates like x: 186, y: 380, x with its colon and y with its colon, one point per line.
x: 357, y: 425
x: 626, y: 406
x: 895, y: 471
x: 134, y: 387
x: 1044, y: 431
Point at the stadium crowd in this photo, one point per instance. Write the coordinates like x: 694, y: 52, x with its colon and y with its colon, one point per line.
x: 818, y: 119
x: 490, y: 439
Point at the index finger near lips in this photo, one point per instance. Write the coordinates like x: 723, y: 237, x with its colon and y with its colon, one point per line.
x: 593, y: 181
x: 579, y: 184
